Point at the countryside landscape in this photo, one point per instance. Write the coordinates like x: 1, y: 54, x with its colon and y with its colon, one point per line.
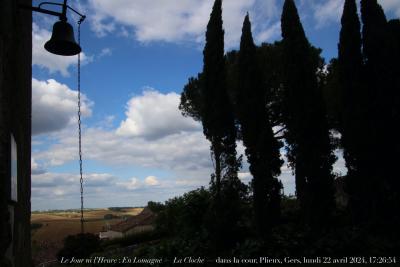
x: 286, y: 106
x: 218, y: 132
x: 50, y: 228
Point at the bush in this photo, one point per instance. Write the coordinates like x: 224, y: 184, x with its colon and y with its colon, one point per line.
x: 155, y: 207
x: 79, y: 246
x: 132, y: 239
x: 185, y: 215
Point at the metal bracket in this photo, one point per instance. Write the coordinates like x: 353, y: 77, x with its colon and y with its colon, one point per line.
x: 62, y: 15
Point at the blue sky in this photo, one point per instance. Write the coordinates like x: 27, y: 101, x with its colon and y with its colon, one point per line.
x: 137, y: 56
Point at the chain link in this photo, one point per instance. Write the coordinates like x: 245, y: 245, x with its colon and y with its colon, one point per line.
x: 79, y: 125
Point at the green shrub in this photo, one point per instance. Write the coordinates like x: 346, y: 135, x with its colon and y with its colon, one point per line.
x: 79, y: 246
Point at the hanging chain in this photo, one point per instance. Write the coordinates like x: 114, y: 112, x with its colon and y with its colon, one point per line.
x: 79, y: 124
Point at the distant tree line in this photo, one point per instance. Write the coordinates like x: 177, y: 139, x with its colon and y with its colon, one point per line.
x: 119, y: 208
x: 283, y: 97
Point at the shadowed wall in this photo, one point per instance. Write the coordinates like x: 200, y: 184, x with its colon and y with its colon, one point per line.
x: 15, y: 120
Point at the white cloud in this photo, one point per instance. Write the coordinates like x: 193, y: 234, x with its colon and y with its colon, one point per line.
x: 180, y: 147
x: 36, y: 168
x: 183, y: 153
x: 181, y: 150
x: 54, y: 106
x: 66, y: 180
x: 155, y: 115
x: 105, y: 52
x: 268, y: 34
x: 177, y: 20
x: 131, y: 184
x: 54, y: 190
x: 391, y: 6
x: 106, y: 123
x: 328, y: 11
x: 151, y: 180
x: 53, y: 63
x: 61, y: 190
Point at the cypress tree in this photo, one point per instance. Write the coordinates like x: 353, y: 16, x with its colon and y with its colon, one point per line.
x: 262, y: 149
x: 307, y: 134
x: 217, y: 116
x: 352, y: 127
x: 220, y: 129
x: 376, y: 51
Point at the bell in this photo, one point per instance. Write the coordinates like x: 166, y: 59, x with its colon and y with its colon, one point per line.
x: 62, y: 41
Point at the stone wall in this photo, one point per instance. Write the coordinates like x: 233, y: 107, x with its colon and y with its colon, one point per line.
x: 15, y: 119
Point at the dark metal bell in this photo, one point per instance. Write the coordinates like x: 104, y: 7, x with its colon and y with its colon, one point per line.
x: 62, y: 41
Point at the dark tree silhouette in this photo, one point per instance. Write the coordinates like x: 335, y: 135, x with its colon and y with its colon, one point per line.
x: 352, y: 126
x: 307, y: 134
x: 268, y: 58
x: 262, y: 149
x: 217, y: 116
x: 79, y: 246
x: 381, y: 56
x: 206, y: 98
x: 333, y: 95
x: 394, y: 31
x: 378, y: 77
x: 191, y: 97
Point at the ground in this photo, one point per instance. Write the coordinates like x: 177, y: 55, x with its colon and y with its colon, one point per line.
x: 47, y: 240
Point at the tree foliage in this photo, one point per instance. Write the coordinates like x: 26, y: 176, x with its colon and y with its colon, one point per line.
x: 262, y: 149
x: 79, y: 246
x: 206, y: 99
x: 353, y: 103
x: 380, y: 77
x: 287, y: 87
x: 191, y: 99
x: 307, y: 135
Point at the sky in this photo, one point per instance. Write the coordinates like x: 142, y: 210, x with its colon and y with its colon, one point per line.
x: 137, y: 56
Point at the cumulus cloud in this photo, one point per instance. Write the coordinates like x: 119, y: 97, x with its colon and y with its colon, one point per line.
x: 328, y: 11
x: 54, y: 106
x: 154, y: 115
x: 183, y: 151
x: 177, y: 20
x: 53, y: 63
x: 269, y: 33
x: 391, y: 6
x: 151, y: 180
x: 54, y: 190
x: 162, y: 139
x: 66, y: 180
x: 134, y: 183
x: 131, y: 184
x: 36, y: 168
x: 105, y: 52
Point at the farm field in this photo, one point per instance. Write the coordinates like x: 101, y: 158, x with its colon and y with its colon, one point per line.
x: 48, y: 238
